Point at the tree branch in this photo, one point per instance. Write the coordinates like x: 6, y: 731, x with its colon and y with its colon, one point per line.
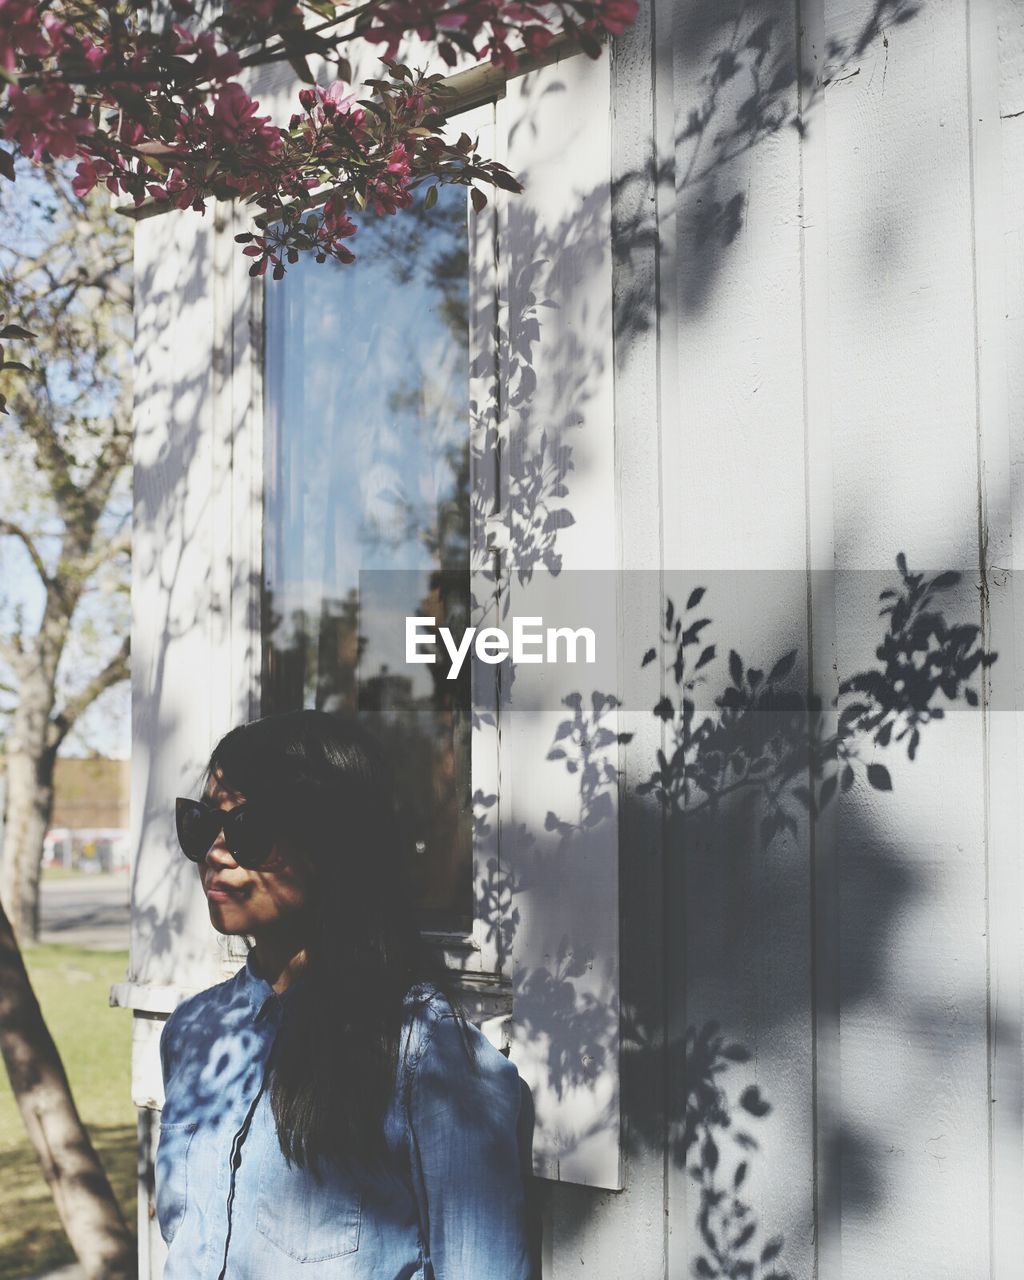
x: 11, y: 652
x: 114, y: 457
x: 16, y: 531
x: 116, y: 670
x: 87, y: 566
x: 37, y: 423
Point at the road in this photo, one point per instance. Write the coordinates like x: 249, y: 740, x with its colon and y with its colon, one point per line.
x: 86, y: 910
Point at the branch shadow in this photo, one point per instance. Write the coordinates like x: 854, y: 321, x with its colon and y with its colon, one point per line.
x: 745, y: 777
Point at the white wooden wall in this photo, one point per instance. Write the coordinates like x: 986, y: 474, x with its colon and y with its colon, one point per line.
x: 834, y: 376
x: 814, y: 363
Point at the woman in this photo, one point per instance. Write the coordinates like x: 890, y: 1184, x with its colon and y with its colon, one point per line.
x: 328, y: 1110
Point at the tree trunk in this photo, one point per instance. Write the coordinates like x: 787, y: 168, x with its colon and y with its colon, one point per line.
x: 81, y: 1191
x: 29, y: 805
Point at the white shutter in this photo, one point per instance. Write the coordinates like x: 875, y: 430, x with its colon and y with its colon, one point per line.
x: 555, y: 322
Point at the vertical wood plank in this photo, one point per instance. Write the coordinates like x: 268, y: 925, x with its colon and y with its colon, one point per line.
x: 198, y: 518
x: 996, y: 42
x: 171, y: 943
x: 909, y: 1149
x: 735, y: 522
x: 492, y: 925
x: 171, y: 940
x: 641, y: 201
x: 557, y: 398
x: 823, y: 677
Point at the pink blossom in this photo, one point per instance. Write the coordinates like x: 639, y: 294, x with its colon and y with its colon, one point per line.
x: 335, y: 220
x: 234, y: 113
x: 386, y: 198
x: 131, y: 132
x: 537, y: 39
x: 88, y: 173
x: 85, y: 178
x: 340, y: 96
x: 327, y: 104
x: 501, y: 55
x: 616, y: 15
x: 493, y: 18
x: 61, y: 33
x: 94, y: 55
x: 398, y: 161
x: 40, y: 121
x: 20, y: 30
x: 235, y: 119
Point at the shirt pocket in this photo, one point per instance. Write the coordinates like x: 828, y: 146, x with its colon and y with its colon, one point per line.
x: 310, y: 1221
x: 172, y: 1175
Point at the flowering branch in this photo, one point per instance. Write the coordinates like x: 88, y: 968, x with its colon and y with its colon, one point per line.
x: 146, y: 98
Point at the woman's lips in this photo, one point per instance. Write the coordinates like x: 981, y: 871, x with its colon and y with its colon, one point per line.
x: 221, y: 893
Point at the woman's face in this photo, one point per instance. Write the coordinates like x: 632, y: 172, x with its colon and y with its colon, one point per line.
x: 244, y: 901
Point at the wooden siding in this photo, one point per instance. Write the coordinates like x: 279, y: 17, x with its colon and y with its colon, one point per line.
x: 837, y: 367
x: 817, y: 289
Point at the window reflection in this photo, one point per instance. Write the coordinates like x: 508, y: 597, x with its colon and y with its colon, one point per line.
x: 366, y: 511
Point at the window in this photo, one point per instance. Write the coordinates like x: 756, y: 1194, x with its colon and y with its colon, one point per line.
x: 367, y: 511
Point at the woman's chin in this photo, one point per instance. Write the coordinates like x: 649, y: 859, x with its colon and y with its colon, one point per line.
x: 226, y: 918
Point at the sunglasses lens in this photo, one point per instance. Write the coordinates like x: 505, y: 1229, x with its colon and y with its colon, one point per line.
x: 247, y: 837
x: 197, y: 828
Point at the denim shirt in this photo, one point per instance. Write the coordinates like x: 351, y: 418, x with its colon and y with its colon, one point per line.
x: 447, y: 1204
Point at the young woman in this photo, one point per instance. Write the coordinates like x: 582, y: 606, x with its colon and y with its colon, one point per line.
x: 328, y: 1110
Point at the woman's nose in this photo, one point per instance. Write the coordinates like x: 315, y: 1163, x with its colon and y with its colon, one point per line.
x: 219, y: 854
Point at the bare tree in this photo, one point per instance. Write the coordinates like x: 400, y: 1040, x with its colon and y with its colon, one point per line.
x: 66, y: 446
x: 81, y: 1190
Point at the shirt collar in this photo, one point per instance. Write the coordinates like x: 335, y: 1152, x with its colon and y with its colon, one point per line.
x: 262, y: 996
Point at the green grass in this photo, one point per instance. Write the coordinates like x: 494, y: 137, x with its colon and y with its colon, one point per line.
x: 60, y: 873
x: 95, y: 1044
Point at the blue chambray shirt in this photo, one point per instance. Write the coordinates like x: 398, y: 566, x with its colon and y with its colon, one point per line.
x: 448, y: 1205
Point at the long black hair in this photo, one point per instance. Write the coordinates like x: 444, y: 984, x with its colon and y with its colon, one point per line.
x: 325, y: 784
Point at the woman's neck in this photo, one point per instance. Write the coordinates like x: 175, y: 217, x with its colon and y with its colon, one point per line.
x: 279, y: 960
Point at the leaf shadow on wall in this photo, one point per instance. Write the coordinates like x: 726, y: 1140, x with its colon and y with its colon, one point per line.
x: 744, y: 789
x: 750, y: 85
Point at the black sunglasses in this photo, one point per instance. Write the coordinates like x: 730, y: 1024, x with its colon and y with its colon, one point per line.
x: 247, y: 833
